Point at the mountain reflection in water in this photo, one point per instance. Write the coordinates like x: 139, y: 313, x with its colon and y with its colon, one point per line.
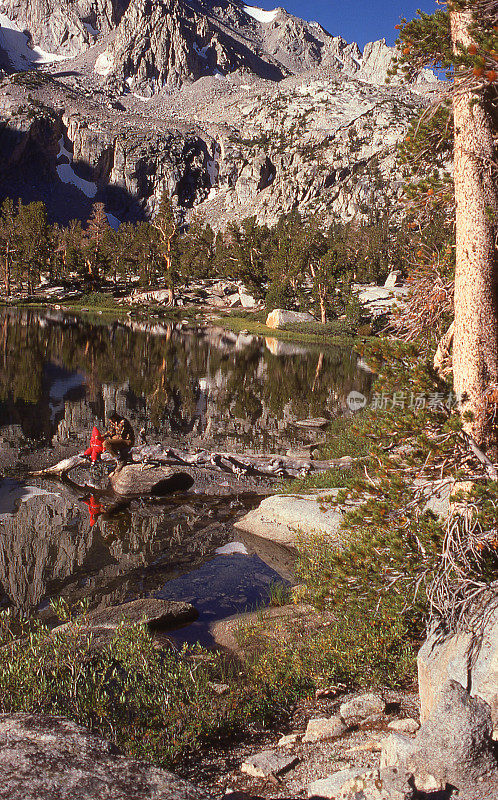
x: 193, y: 387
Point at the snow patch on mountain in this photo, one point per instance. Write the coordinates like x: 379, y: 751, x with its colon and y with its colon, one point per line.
x: 260, y: 14
x: 14, y: 44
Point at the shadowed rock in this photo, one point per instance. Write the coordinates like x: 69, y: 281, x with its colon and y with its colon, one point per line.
x: 135, y: 480
x: 45, y: 756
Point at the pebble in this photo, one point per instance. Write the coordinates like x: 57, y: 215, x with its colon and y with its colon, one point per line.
x: 288, y: 740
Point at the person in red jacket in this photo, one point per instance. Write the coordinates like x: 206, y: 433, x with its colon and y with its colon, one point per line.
x: 96, y: 446
x: 95, y: 509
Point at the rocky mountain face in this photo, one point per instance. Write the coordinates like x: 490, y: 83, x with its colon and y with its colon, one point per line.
x: 64, y: 26
x: 232, y: 110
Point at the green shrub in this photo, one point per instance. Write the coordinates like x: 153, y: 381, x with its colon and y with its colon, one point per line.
x: 153, y: 703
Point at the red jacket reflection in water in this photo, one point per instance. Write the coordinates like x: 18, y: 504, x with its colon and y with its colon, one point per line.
x: 95, y: 509
x: 96, y: 446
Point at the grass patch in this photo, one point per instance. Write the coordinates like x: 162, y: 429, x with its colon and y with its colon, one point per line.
x: 336, y: 478
x: 96, y: 301
x: 154, y: 704
x: 353, y: 649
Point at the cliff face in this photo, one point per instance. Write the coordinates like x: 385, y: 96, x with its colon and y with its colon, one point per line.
x: 226, y: 107
x: 64, y: 26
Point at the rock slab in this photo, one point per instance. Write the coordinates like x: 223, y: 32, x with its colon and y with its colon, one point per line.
x: 158, y: 615
x: 267, y: 763
x: 45, y: 756
x: 330, y: 787
x: 282, y: 518
x: 280, y: 317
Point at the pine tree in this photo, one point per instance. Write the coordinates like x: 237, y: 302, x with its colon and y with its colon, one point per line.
x: 7, y: 239
x: 97, y: 233
x: 166, y: 227
x: 464, y: 40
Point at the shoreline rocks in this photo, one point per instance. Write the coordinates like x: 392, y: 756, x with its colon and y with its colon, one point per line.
x: 283, y: 518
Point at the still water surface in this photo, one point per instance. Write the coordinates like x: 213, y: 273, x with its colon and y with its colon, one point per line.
x: 182, y: 385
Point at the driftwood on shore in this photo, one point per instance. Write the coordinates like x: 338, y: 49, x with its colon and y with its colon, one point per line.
x: 153, y: 465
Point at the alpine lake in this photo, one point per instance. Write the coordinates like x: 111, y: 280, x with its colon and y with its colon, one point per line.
x: 181, y: 385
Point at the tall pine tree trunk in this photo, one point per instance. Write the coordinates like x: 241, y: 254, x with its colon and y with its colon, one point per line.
x: 475, y: 348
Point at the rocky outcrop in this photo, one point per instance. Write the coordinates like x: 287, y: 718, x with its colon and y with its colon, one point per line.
x: 64, y: 26
x: 452, y: 748
x: 283, y: 518
x: 46, y: 756
x: 234, y: 115
x: 168, y: 42
x: 471, y: 658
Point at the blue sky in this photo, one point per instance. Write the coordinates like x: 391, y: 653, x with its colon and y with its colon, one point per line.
x: 355, y: 20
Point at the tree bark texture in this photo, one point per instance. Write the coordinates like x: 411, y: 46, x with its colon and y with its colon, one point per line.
x: 475, y: 347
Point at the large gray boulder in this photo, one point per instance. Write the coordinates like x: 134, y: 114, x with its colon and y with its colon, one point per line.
x: 283, y: 518
x: 136, y: 480
x: 280, y: 317
x: 43, y: 756
x: 453, y: 747
x: 469, y: 658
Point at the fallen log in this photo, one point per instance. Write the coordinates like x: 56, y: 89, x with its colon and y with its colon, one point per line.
x: 269, y: 466
x: 155, y: 470
x: 62, y: 467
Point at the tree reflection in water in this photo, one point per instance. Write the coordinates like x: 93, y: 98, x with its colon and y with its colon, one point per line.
x: 189, y: 386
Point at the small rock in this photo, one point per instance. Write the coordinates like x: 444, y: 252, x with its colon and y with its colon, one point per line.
x: 219, y: 688
x: 393, y: 279
x: 290, y: 739
x: 315, y: 422
x: 247, y: 301
x: 360, y: 708
x: 331, y: 786
x: 368, y: 747
x: 374, y: 784
x: 395, y: 750
x: 267, y: 763
x: 323, y: 728
x: 407, y: 725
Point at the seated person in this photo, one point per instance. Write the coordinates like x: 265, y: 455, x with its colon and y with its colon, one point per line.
x: 119, y: 438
